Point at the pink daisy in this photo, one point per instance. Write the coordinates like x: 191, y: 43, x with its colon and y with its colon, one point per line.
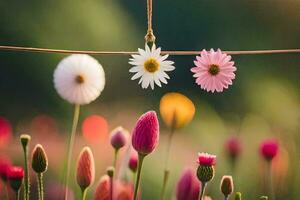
x: 214, y: 70
x: 206, y: 159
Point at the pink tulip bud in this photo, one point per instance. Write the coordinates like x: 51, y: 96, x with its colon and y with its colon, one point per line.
x: 133, y: 161
x: 146, y: 133
x: 119, y: 137
x: 15, y: 177
x: 85, y: 168
x: 188, y: 186
x: 4, y: 166
x: 269, y: 148
x: 103, y: 189
x: 233, y: 147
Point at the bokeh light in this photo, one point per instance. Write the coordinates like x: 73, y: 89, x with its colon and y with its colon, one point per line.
x: 95, y: 129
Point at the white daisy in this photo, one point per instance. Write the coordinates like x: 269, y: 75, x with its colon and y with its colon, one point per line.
x: 79, y: 79
x: 150, y: 67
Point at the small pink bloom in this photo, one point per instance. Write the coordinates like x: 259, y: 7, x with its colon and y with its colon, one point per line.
x: 188, y: 186
x: 5, y: 164
x: 146, y: 133
x: 119, y: 137
x: 85, y: 168
x: 15, y: 173
x: 206, y: 159
x: 133, y: 161
x: 269, y: 148
x: 233, y: 147
x: 103, y: 189
x: 214, y: 70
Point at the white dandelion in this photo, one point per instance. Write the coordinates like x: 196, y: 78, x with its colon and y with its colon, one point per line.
x: 150, y: 67
x: 79, y: 79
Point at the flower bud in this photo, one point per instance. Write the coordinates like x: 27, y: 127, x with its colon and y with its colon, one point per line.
x: 176, y: 110
x: 110, y: 171
x: 206, y: 171
x: 146, y: 133
x: 133, y: 161
x: 103, y: 189
x: 39, y: 161
x: 85, y: 168
x: 123, y: 190
x: 233, y: 147
x: 238, y: 196
x: 227, y: 185
x: 15, y: 177
x: 25, y: 139
x: 263, y: 198
x: 4, y: 167
x: 188, y: 186
x: 119, y: 137
x: 269, y: 149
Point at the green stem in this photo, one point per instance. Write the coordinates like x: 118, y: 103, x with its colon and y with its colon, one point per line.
x: 70, y: 147
x: 137, y: 180
x: 18, y: 195
x: 270, y: 180
x: 111, y: 188
x: 40, y: 186
x: 26, y: 177
x: 166, y: 170
x: 115, y: 159
x: 202, y: 190
x: 84, y: 192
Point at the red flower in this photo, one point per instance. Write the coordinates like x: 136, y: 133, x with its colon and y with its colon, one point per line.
x: 4, y: 167
x: 103, y: 189
x: 85, y: 168
x: 206, y: 159
x: 233, y: 147
x: 15, y: 173
x: 146, y: 133
x: 269, y: 148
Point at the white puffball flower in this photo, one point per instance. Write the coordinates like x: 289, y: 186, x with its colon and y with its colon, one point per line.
x: 79, y: 79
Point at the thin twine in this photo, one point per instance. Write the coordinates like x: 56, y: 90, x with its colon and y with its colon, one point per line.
x: 149, y: 38
x: 182, y: 53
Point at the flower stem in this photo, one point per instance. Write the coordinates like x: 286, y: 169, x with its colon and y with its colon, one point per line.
x: 84, y: 192
x: 18, y: 195
x: 111, y: 188
x: 40, y: 186
x: 115, y: 159
x: 166, y: 170
x: 137, y: 180
x: 26, y: 177
x: 270, y: 181
x: 202, y: 190
x: 70, y: 147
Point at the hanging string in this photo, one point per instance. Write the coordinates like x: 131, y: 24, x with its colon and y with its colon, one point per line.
x: 149, y: 38
x: 125, y: 53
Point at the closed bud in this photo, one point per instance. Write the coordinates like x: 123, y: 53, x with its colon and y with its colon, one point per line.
x: 205, y: 173
x: 25, y: 139
x: 119, y: 137
x: 188, y: 186
x: 133, y: 161
x: 39, y: 161
x: 15, y: 177
x: 263, y: 198
x: 238, y: 196
x: 85, y: 168
x: 103, y: 189
x: 110, y: 171
x: 227, y: 185
x: 145, y: 135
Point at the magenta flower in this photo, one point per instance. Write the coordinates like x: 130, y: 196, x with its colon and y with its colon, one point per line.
x: 103, y: 189
x: 119, y: 137
x: 206, y: 159
x: 146, y: 133
x: 214, y: 70
x: 15, y: 175
x: 188, y: 186
x: 233, y: 146
x: 269, y: 148
x: 133, y: 161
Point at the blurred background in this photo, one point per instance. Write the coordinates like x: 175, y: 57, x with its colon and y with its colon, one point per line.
x: 262, y: 103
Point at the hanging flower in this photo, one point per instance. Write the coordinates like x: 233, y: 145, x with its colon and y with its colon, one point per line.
x: 79, y: 79
x: 214, y: 70
x: 150, y: 67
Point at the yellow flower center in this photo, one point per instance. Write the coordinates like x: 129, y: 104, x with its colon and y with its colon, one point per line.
x: 151, y: 65
x: 214, y: 69
x: 79, y: 79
